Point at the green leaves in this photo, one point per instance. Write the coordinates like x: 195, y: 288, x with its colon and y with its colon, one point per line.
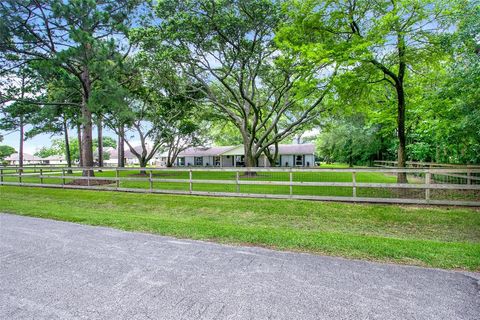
x: 6, y: 151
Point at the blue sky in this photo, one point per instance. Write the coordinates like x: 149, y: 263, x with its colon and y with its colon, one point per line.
x: 34, y: 144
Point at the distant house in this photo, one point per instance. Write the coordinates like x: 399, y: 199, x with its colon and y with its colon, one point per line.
x: 13, y: 159
x: 112, y: 158
x: 130, y: 158
x: 289, y: 155
x: 54, y: 160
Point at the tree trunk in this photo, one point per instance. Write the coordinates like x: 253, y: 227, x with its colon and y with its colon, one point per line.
x: 79, y: 137
x: 171, y: 158
x: 401, y: 156
x: 87, y: 145
x: 67, y: 146
x: 121, y: 147
x: 250, y: 161
x: 100, y: 141
x: 143, y: 164
x: 20, y: 148
x: 22, y: 131
x: 402, y: 141
x: 272, y: 157
x: 350, y: 155
x: 271, y: 160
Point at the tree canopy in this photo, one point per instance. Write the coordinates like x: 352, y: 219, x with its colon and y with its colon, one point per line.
x: 390, y: 80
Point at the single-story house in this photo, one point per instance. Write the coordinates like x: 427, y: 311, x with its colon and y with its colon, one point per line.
x: 112, y: 160
x: 32, y: 159
x: 130, y: 158
x: 13, y: 159
x: 54, y: 160
x: 289, y: 155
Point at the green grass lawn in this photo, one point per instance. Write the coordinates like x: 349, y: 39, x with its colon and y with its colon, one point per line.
x: 298, y: 176
x: 435, y: 237
x: 261, y: 176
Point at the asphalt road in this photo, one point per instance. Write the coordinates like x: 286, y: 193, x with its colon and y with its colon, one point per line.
x: 58, y: 270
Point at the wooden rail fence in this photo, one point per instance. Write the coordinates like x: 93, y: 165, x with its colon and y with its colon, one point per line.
x: 276, y: 183
x: 468, y: 174
x: 422, y: 164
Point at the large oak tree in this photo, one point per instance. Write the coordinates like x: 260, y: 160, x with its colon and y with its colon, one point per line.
x: 228, y: 51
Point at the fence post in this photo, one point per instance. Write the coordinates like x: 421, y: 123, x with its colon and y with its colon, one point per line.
x: 1, y: 176
x: 151, y: 181
x: 238, y: 181
x: 428, y: 180
x: 190, y: 180
x: 291, y: 182
x: 354, y: 181
x: 63, y: 177
x: 41, y: 176
x: 117, y: 181
x: 469, y: 177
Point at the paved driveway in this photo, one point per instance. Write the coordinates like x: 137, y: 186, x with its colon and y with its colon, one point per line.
x: 58, y: 270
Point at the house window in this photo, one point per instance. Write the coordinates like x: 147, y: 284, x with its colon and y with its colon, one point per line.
x: 181, y: 161
x: 216, y: 161
x: 198, y: 161
x: 299, y: 160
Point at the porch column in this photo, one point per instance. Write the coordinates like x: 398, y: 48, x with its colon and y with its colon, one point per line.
x: 235, y: 161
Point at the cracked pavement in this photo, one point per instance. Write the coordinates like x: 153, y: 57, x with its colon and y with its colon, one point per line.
x: 58, y: 270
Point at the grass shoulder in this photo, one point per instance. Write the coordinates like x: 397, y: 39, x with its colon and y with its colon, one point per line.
x: 435, y: 237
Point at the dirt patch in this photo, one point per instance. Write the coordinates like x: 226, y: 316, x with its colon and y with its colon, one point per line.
x: 154, y: 174
x: 81, y: 182
x: 404, y: 193
x: 251, y: 175
x: 437, y: 194
x: 447, y: 194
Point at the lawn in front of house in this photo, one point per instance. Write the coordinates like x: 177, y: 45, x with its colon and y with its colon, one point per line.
x: 435, y: 237
x: 231, y: 176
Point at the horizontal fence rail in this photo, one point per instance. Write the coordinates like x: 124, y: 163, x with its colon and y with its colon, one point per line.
x: 439, y: 186
x: 421, y: 164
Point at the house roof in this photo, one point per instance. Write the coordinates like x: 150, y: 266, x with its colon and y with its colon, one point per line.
x: 235, y: 151
x: 54, y: 157
x: 29, y: 157
x: 26, y: 157
x: 205, y: 151
x: 128, y: 154
x: 112, y: 152
x: 307, y: 148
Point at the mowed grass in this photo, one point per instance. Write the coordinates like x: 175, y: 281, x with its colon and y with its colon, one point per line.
x: 436, y: 237
x: 231, y: 176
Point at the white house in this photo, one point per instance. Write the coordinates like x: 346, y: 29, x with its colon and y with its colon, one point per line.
x: 54, y: 160
x: 289, y: 155
x: 130, y: 158
x: 31, y: 159
x: 13, y: 159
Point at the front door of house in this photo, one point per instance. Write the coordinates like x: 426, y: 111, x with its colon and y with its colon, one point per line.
x: 240, y: 161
